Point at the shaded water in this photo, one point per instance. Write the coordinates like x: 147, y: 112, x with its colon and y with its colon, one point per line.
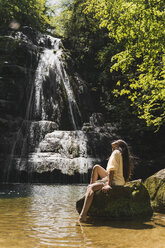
x: 34, y: 216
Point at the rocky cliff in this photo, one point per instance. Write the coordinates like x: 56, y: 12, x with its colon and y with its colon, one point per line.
x: 48, y: 131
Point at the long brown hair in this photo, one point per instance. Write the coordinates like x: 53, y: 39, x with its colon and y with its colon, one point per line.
x: 127, y: 159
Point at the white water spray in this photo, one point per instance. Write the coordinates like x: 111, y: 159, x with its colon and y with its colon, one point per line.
x: 51, y: 59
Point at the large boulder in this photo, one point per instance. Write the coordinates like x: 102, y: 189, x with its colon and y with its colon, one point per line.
x: 156, y: 188
x: 128, y: 201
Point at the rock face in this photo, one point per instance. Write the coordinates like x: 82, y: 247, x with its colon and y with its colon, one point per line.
x: 156, y: 188
x: 128, y: 201
x: 37, y: 95
x: 47, y: 124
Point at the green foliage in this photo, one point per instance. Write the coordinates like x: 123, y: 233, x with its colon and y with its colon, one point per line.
x: 33, y: 13
x: 117, y: 46
x: 82, y: 36
x: 61, y: 16
x: 138, y: 27
x: 90, y: 47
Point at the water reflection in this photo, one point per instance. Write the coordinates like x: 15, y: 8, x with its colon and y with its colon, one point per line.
x: 14, y: 190
x: 45, y: 216
x: 123, y: 234
x: 132, y: 224
x: 55, y: 218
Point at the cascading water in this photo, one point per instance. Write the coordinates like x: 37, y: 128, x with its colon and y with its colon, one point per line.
x: 62, y: 75
x: 51, y: 59
x: 49, y: 149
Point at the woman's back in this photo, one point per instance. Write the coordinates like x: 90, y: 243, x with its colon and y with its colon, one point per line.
x: 115, y: 163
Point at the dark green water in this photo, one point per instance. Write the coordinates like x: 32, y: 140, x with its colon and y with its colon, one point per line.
x: 33, y: 216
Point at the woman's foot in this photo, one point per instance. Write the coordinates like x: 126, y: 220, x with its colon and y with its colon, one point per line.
x: 82, y: 218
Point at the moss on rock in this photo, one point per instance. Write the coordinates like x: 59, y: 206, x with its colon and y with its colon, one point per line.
x: 128, y: 201
x: 156, y: 188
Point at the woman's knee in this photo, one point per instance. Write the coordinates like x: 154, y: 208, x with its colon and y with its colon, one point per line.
x: 89, y: 192
x: 97, y: 186
x: 89, y: 188
x: 96, y: 167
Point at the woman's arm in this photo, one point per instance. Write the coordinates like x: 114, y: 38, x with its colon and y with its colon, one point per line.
x: 110, y: 177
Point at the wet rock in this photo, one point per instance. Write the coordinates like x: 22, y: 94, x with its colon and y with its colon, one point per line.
x: 99, y: 138
x: 81, y: 91
x: 38, y: 130
x: 17, y: 66
x: 69, y: 144
x: 128, y: 201
x: 156, y: 188
x: 97, y: 119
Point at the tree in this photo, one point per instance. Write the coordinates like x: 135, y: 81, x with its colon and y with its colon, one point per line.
x: 33, y: 13
x: 138, y: 27
x: 90, y: 47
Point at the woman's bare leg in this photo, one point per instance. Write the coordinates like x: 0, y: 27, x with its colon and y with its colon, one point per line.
x: 97, y: 171
x: 88, y: 199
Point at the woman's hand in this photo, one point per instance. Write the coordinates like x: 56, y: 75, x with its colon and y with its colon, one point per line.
x: 106, y: 188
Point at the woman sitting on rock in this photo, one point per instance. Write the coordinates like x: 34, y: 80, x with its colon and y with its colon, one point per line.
x: 118, y: 171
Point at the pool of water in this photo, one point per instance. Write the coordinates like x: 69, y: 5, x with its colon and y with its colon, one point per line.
x: 34, y: 216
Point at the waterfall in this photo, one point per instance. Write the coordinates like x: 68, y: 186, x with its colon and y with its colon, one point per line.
x: 51, y: 59
x: 61, y: 73
x: 45, y: 147
x: 65, y: 151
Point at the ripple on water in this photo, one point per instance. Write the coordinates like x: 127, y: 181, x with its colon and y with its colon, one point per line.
x: 45, y: 216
